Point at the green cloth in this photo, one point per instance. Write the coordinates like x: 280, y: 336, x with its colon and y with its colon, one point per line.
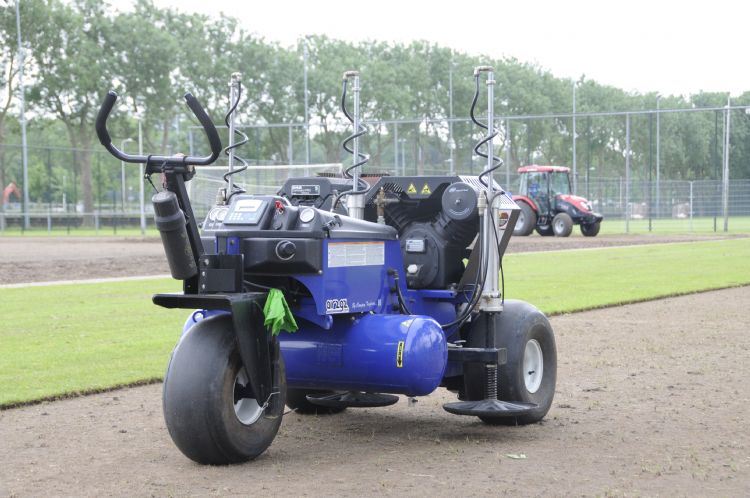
x: 278, y: 315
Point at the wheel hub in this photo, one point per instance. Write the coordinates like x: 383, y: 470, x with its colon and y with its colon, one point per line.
x: 533, y: 366
x: 246, y: 409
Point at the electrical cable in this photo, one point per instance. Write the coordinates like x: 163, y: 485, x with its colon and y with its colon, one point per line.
x: 483, y: 257
x: 498, y: 162
x: 243, y: 140
x: 399, y: 295
x: 500, y: 262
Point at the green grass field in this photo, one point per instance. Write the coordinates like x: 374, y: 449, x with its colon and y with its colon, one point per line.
x: 737, y: 224
x: 63, y: 339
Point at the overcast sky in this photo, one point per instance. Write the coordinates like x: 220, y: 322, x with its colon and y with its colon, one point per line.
x: 669, y: 47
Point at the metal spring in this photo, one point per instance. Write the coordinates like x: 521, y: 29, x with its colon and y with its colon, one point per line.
x: 362, y: 158
x: 491, y: 371
x: 490, y: 135
x: 243, y: 140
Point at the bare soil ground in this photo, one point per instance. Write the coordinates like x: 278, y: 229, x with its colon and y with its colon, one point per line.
x: 652, y: 399
x: 43, y: 259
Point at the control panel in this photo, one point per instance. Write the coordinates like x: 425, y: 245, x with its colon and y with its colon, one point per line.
x: 263, y: 215
x: 246, y: 212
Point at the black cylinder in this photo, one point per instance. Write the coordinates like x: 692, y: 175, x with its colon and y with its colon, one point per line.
x: 170, y: 221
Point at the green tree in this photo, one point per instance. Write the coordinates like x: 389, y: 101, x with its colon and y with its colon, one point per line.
x: 73, y: 67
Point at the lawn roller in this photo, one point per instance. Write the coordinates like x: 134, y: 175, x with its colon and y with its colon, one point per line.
x: 382, y: 286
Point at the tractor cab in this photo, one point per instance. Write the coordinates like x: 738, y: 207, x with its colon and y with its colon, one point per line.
x: 549, y: 206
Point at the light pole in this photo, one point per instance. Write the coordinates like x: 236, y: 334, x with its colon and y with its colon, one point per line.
x: 725, y: 175
x: 403, y: 156
x: 122, y: 172
x: 658, y: 156
x: 307, y: 111
x: 22, y: 106
x: 575, y: 175
x: 451, y: 142
x: 141, y: 193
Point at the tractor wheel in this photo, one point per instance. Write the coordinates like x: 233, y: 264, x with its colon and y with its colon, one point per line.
x: 530, y: 373
x: 562, y: 224
x: 209, y: 408
x: 590, y: 230
x: 296, y: 399
x: 544, y: 230
x: 526, y: 220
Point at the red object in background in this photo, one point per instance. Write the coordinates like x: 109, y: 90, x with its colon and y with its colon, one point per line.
x: 11, y: 189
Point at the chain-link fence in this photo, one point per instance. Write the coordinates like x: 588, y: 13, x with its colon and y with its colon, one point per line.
x: 659, y: 170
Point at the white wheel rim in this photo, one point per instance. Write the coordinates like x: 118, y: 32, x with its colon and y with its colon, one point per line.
x: 533, y: 366
x: 521, y: 220
x: 247, y: 410
x: 559, y: 225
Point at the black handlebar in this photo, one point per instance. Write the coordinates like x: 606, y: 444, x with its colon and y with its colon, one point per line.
x: 198, y: 111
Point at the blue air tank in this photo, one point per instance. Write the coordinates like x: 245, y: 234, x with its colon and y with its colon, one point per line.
x: 400, y: 354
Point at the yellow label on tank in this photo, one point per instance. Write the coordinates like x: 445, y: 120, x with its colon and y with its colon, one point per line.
x: 400, y: 355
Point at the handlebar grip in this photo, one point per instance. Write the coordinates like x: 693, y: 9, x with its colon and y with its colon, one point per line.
x: 101, y: 118
x: 208, y: 126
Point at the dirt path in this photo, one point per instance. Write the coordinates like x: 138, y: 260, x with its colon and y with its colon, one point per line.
x: 652, y: 399
x: 44, y: 259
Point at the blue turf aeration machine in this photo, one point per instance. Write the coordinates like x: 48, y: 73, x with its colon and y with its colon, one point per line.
x: 394, y: 282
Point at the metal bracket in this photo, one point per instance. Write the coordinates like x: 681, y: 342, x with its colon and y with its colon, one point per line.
x: 253, y: 339
x: 220, y: 273
x: 478, y: 355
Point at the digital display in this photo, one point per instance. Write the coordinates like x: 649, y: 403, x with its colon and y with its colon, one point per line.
x: 246, y: 212
x: 247, y: 205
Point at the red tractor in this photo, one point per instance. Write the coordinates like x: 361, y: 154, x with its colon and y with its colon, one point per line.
x: 548, y: 206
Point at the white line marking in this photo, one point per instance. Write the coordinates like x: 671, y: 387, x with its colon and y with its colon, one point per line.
x: 83, y: 281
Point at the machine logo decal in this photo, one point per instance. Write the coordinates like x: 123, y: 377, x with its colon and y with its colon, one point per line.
x: 337, y: 306
x: 400, y: 355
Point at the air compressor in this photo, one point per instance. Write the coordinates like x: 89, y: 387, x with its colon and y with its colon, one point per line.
x: 393, y: 283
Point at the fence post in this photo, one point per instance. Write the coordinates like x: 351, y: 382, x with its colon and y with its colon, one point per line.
x: 395, y: 148
x: 291, y: 146
x: 691, y: 207
x: 627, y: 173
x: 725, y: 179
x: 49, y: 221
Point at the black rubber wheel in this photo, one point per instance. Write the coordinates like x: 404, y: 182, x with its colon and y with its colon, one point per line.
x: 590, y: 230
x: 562, y: 225
x: 527, y: 336
x: 296, y: 399
x: 545, y: 230
x: 526, y: 220
x: 209, y: 408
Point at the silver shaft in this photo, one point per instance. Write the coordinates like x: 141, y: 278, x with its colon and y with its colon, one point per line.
x: 234, y: 87
x: 355, y: 171
x: 491, y: 297
x: 355, y: 203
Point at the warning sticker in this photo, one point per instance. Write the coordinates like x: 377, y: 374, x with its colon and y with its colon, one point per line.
x: 355, y: 254
x: 412, y: 189
x: 400, y: 355
x: 303, y: 190
x: 426, y: 190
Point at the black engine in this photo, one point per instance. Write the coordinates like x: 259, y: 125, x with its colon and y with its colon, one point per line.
x: 436, y: 218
